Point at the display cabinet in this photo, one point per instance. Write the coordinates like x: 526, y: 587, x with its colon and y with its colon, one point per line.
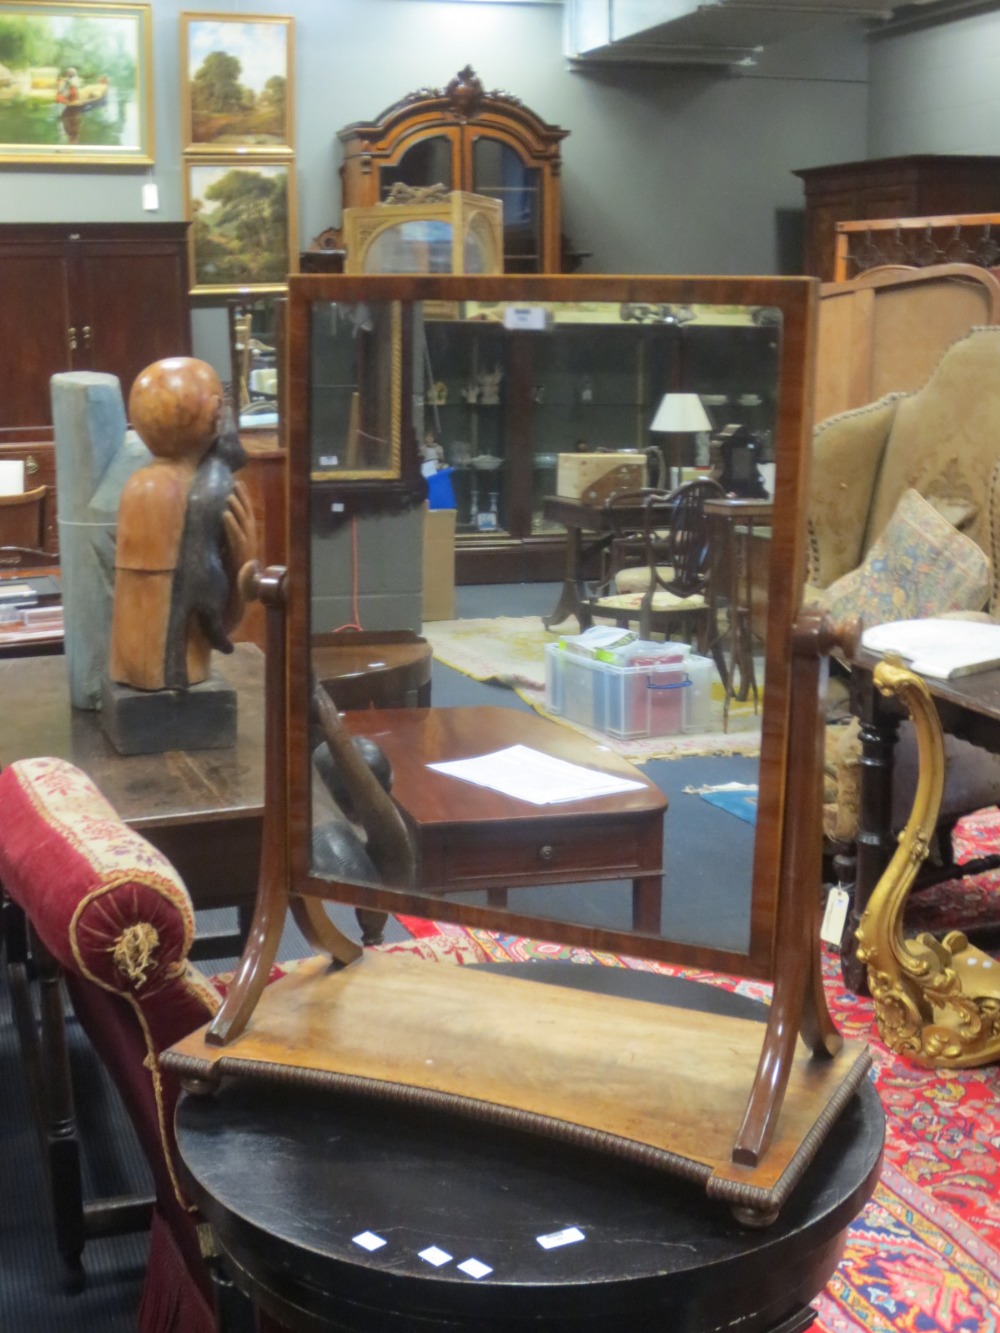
x: 503, y: 403
x: 465, y: 138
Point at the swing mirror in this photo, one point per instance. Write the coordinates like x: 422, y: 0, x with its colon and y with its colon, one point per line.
x: 501, y: 375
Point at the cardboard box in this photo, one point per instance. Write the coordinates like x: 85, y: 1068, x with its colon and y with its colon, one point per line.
x: 593, y: 477
x: 439, y: 564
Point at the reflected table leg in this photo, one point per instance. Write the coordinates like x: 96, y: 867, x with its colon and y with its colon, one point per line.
x: 572, y: 598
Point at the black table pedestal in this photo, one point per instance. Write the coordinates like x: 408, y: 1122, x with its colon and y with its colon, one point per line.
x: 289, y: 1177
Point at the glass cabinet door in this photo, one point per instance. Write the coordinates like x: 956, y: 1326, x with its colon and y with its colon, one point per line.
x: 430, y: 160
x: 465, y: 401
x: 499, y: 172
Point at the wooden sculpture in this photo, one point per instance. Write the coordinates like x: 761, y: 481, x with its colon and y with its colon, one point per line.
x: 185, y: 528
x: 936, y: 1001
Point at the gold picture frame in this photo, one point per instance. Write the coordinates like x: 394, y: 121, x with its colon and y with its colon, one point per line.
x: 237, y: 84
x: 223, y: 259
x: 96, y: 111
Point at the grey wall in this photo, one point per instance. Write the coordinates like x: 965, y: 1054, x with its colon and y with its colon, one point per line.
x: 665, y: 170
x: 937, y: 90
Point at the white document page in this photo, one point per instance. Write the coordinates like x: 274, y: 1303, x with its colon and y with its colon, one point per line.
x: 532, y: 776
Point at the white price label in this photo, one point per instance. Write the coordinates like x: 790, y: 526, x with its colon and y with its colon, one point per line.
x: 838, y: 901
x: 531, y: 317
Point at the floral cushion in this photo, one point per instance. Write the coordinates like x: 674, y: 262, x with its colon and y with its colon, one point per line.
x: 920, y: 565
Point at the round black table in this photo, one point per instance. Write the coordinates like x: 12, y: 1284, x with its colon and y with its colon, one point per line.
x: 289, y: 1177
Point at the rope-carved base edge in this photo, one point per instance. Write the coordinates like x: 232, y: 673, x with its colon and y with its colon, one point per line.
x: 751, y: 1204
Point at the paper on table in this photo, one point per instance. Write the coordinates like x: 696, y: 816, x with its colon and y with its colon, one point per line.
x: 940, y: 648
x: 533, y: 776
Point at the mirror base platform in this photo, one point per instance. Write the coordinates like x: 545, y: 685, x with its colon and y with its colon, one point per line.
x: 665, y: 1089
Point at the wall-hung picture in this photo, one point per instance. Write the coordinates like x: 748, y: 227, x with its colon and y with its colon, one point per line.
x: 236, y: 83
x: 242, y: 216
x: 76, y: 83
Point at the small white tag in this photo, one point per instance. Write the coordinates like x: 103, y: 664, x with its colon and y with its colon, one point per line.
x: 337, y: 507
x: 434, y: 1255
x: 329, y: 460
x: 835, y: 917
x: 533, y: 317
x: 474, y: 1268
x: 369, y: 1241
x: 150, y: 197
x: 554, y: 1239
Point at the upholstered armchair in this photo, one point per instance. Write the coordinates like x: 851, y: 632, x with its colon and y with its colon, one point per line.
x: 902, y: 522
x: 116, y: 918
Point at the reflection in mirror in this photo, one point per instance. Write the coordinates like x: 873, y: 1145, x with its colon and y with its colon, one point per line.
x: 484, y: 385
x: 255, y: 338
x: 355, y: 390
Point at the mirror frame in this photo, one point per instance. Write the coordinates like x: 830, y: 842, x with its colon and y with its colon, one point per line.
x: 797, y: 299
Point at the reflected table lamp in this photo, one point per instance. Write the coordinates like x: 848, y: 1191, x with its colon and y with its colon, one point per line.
x: 680, y: 416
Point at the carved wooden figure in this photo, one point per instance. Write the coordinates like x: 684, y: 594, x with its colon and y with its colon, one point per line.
x: 185, y: 528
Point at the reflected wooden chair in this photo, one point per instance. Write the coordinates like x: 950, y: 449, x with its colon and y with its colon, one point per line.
x: 675, y: 543
x: 22, y: 518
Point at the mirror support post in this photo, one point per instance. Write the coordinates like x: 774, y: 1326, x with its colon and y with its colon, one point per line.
x: 799, y: 1003
x: 267, y: 586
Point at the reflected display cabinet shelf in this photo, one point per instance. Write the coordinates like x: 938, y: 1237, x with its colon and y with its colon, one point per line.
x: 465, y: 138
x: 503, y: 403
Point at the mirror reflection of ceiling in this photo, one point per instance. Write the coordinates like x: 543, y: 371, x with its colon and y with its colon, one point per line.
x: 729, y: 33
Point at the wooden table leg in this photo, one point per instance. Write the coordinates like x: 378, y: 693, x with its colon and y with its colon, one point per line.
x: 875, y: 842
x: 572, y: 598
x: 647, y: 894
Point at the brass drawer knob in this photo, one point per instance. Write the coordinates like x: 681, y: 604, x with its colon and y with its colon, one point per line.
x: 546, y: 853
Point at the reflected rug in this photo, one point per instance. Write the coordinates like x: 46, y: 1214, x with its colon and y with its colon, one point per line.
x: 924, y: 1256
x: 510, y: 651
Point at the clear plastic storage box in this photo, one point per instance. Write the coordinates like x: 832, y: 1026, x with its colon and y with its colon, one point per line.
x: 653, y: 693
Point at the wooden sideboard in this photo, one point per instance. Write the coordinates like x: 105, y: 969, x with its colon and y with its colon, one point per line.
x: 891, y: 187
x: 91, y: 296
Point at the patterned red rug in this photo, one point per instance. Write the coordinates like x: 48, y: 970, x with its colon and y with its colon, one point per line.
x: 924, y: 1256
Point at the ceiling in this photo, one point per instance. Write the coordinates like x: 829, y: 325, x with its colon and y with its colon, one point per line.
x: 729, y: 33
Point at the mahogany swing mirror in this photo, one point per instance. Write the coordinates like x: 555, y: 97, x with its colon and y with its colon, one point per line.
x: 367, y: 357
x: 378, y: 365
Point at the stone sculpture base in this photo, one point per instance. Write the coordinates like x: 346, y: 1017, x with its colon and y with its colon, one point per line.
x: 202, y: 717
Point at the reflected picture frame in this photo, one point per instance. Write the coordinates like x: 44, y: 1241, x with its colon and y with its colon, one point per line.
x: 218, y: 264
x: 237, y: 84
x: 96, y: 112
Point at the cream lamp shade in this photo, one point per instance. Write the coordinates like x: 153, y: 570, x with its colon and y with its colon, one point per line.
x: 681, y: 413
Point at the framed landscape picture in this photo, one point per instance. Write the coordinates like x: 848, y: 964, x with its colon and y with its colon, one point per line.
x: 236, y: 83
x: 76, y: 83
x: 243, y: 226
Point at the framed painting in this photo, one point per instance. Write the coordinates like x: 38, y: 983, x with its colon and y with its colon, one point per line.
x: 243, y: 224
x: 237, y: 91
x: 76, y: 83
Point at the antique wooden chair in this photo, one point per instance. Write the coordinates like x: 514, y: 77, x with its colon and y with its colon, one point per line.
x: 675, y: 545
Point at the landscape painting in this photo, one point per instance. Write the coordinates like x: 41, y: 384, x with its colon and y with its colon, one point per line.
x: 75, y: 83
x: 242, y: 223
x: 237, y: 87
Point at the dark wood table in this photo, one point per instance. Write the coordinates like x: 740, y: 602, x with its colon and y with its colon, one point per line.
x: 287, y: 1183
x: 374, y: 668
x: 468, y: 837
x: 969, y: 707
x: 578, y: 518
x: 202, y: 808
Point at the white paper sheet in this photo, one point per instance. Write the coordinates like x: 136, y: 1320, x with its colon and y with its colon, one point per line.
x: 533, y: 776
x: 940, y: 648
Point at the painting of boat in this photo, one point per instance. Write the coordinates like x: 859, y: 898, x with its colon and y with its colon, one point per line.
x: 75, y: 81
x: 46, y: 84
